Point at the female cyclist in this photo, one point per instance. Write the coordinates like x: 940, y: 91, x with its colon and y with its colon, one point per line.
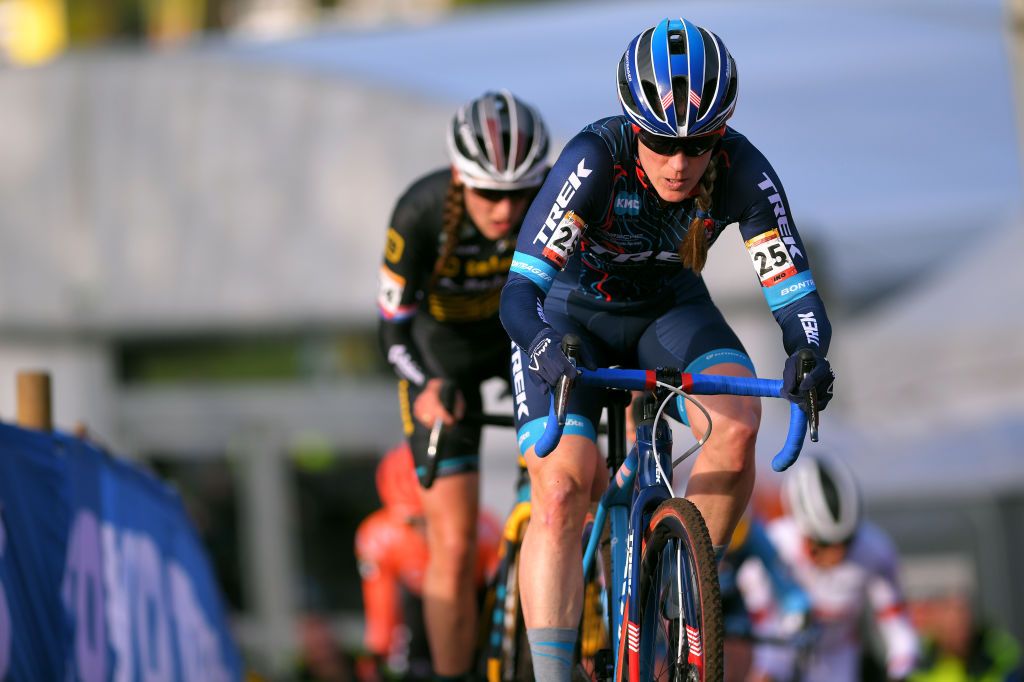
x: 846, y: 565
x: 446, y: 259
x: 612, y: 250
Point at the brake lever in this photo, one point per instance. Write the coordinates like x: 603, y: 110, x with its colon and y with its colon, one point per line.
x: 807, y: 363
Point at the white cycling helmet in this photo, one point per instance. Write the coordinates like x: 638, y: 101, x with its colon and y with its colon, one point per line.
x: 498, y: 142
x: 823, y: 498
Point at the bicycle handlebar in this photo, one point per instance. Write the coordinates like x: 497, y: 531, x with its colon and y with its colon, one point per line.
x: 696, y: 384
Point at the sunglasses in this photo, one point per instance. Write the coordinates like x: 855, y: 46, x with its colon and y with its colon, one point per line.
x: 697, y: 145
x: 496, y: 195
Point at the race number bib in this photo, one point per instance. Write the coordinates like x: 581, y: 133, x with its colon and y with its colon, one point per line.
x: 771, y: 260
x: 389, y: 292
x: 563, y: 240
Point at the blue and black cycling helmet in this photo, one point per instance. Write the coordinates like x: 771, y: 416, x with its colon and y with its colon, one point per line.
x: 677, y: 79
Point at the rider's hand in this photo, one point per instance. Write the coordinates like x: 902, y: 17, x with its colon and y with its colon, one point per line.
x: 820, y: 378
x: 428, y: 407
x: 547, y: 361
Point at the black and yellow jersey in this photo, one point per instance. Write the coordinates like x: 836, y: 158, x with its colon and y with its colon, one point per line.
x: 466, y: 293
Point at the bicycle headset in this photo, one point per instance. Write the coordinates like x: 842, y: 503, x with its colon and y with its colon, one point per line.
x: 677, y: 79
x: 498, y: 142
x: 824, y: 499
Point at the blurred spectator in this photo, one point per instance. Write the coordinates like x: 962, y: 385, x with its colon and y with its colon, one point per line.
x: 958, y: 646
x: 320, y: 657
x: 391, y: 548
x: 844, y: 564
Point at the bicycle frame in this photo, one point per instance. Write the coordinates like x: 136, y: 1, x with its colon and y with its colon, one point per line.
x: 636, y: 488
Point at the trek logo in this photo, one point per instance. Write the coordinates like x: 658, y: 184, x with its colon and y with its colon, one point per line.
x: 569, y: 188
x: 810, y: 325
x: 518, y: 384
x: 780, y: 215
x: 627, y: 203
x: 627, y: 590
x: 638, y: 257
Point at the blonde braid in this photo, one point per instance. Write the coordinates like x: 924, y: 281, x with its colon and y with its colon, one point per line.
x: 454, y: 210
x: 693, y: 250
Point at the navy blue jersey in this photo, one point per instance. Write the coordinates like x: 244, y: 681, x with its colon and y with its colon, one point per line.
x: 599, y: 226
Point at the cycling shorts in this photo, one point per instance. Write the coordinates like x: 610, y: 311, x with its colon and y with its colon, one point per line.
x: 690, y: 334
x: 467, y: 355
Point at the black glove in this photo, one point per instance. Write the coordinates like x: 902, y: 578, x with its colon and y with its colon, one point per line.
x: 547, y: 361
x: 820, y: 378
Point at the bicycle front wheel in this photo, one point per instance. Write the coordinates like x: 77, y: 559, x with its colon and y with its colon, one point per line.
x: 681, y: 635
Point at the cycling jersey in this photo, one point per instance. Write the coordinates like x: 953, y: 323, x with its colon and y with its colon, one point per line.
x: 447, y: 328
x: 465, y: 295
x: 598, y: 212
x: 867, y: 577
x: 392, y: 555
x: 750, y: 541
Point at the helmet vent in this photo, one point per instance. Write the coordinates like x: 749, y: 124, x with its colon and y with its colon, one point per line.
x: 653, y: 99
x: 828, y: 489
x: 681, y: 94
x: 676, y: 42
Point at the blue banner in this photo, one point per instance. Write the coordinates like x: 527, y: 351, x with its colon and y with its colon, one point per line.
x: 102, y: 576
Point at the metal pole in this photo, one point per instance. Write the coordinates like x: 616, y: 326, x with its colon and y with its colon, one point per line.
x: 34, y: 403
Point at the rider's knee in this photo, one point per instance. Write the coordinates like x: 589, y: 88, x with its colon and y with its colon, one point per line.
x: 452, y: 552
x: 733, y: 444
x: 558, y: 504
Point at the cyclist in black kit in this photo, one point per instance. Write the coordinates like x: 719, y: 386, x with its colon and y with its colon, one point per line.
x: 611, y: 250
x: 446, y: 259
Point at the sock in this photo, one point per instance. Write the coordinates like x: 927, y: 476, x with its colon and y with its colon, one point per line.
x: 719, y: 551
x: 552, y: 651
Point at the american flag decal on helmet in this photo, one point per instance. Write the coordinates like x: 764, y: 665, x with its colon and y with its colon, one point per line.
x: 694, y: 98
x: 666, y: 99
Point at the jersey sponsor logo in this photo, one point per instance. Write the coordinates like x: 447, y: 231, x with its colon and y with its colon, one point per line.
x: 810, y: 325
x: 394, y: 246
x: 563, y: 239
x: 539, y: 351
x: 519, y: 384
x: 627, y: 203
x: 569, y: 189
x: 527, y: 269
x: 638, y: 257
x: 771, y: 260
x: 780, y: 215
x: 400, y: 359
x: 390, y: 288
x: 799, y: 286
x: 490, y: 266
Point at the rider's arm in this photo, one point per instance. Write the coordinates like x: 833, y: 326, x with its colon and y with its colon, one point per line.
x: 381, y: 604
x: 886, y: 601
x: 779, y: 256
x: 404, y: 273
x: 573, y: 193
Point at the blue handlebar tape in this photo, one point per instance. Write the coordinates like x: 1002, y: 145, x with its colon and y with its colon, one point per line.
x: 552, y: 432
x: 713, y: 384
x: 794, y: 439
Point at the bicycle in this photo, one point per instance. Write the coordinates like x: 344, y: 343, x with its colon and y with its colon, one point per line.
x: 664, y: 610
